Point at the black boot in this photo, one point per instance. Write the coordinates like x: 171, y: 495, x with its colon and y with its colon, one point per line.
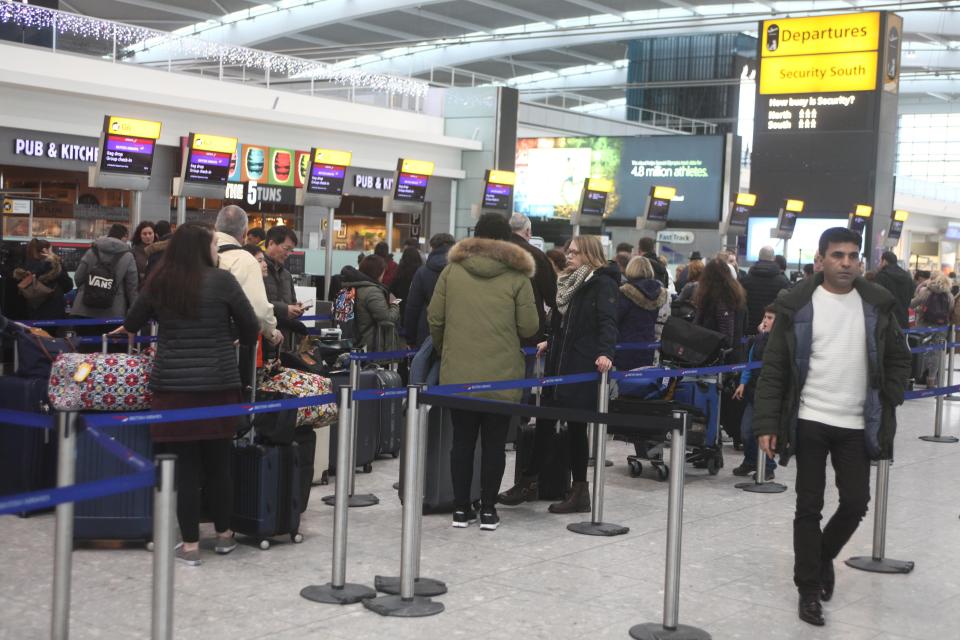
x: 827, y: 580
x: 810, y: 609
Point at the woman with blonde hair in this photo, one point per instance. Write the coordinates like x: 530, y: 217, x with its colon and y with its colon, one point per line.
x: 583, y: 339
x: 934, y: 304
x: 641, y: 298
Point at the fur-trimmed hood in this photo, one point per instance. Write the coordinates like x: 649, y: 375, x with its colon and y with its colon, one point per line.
x: 157, y: 246
x: 646, y: 293
x: 47, y: 274
x: 938, y: 285
x: 487, y: 258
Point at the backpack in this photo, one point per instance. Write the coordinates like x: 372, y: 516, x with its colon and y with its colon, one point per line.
x: 101, y: 286
x: 937, y: 310
x: 344, y: 313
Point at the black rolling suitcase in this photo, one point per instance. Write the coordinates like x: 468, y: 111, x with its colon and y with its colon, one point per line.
x: 266, y: 491
x: 379, y: 422
x: 554, y: 479
x: 28, y: 457
x: 125, y: 516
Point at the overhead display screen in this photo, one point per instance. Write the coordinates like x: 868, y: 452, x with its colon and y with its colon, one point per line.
x: 209, y: 159
x: 412, y: 179
x: 327, y: 171
x: 128, y: 145
x: 551, y: 171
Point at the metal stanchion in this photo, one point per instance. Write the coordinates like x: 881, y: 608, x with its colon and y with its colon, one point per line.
x: 408, y: 604
x: 428, y: 587
x: 338, y: 591
x: 164, y: 539
x: 760, y: 484
x: 951, y: 339
x: 877, y: 563
x: 63, y: 541
x: 938, y: 421
x: 348, y: 474
x: 596, y: 526
x: 670, y: 629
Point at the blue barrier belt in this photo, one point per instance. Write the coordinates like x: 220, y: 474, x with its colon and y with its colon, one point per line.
x: 117, y: 339
x: 927, y: 348
x: 643, y: 374
x: 308, y: 318
x: 931, y: 393
x: 501, y: 385
x: 73, y: 322
x: 119, y: 451
x: 46, y: 498
x: 379, y: 394
x: 923, y: 330
x: 25, y: 419
x: 199, y: 413
x: 361, y: 356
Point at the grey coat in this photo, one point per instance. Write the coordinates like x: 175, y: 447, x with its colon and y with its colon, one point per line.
x: 280, y: 292
x: 124, y: 270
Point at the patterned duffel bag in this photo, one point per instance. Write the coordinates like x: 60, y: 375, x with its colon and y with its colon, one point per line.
x: 300, y: 384
x: 101, y: 381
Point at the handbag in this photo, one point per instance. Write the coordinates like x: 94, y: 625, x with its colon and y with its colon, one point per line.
x: 690, y: 345
x: 101, y: 381
x: 33, y: 290
x: 37, y: 350
x: 300, y: 384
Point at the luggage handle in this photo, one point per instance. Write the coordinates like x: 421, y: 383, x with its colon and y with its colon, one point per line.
x: 105, y: 340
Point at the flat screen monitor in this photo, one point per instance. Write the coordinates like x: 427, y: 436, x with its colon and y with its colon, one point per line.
x: 128, y: 145
x: 787, y: 221
x: 739, y: 215
x: 410, y: 187
x: 498, y: 196
x: 594, y: 203
x: 858, y: 224
x: 896, y: 229
x: 658, y: 210
x: 326, y: 179
x: 208, y: 160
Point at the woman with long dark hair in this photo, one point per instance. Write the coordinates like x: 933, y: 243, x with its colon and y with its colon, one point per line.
x: 410, y: 261
x: 143, y: 236
x: 721, y: 304
x: 42, y: 281
x: 196, y: 304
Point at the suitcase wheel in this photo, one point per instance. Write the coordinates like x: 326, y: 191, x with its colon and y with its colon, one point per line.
x: 368, y: 468
x: 296, y: 538
x: 636, y: 469
x: 662, y: 473
x: 713, y: 465
x: 264, y: 544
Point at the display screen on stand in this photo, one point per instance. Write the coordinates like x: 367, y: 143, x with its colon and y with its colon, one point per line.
x: 858, y: 224
x: 497, y: 196
x: 128, y: 145
x: 209, y: 160
x: 326, y: 179
x: 410, y: 187
x: 896, y: 229
x: 788, y: 221
x: 739, y: 215
x: 594, y: 203
x: 659, y: 209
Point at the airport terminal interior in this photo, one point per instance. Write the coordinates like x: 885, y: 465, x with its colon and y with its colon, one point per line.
x: 599, y: 234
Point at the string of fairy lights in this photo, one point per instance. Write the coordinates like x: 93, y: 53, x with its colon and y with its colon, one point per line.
x: 133, y: 39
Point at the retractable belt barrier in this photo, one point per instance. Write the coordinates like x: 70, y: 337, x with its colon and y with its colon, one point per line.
x: 924, y: 330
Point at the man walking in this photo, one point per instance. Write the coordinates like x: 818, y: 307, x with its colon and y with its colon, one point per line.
x: 835, y: 367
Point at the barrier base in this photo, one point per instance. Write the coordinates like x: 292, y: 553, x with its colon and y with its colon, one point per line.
x: 656, y: 631
x: 329, y: 594
x: 592, y: 461
x: 766, y: 487
x: 884, y: 565
x: 416, y: 607
x: 598, y: 529
x: 425, y: 587
x: 356, y: 500
x: 943, y: 439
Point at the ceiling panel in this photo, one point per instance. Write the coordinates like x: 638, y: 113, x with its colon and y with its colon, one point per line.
x: 477, y: 14
x: 425, y: 28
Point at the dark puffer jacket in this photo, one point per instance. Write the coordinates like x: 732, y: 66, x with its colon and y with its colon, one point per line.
x: 637, y: 310
x: 415, y: 326
x: 899, y: 283
x: 197, y: 354
x: 279, y: 285
x: 585, y: 332
x: 544, y: 283
x: 762, y: 283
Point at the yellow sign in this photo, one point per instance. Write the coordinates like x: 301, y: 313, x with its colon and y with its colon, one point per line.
x: 134, y: 128
x: 207, y: 142
x: 863, y: 211
x: 418, y: 167
x: 664, y: 193
x: 900, y: 215
x: 747, y: 199
x: 821, y: 34
x: 332, y: 156
x: 600, y: 184
x: 497, y: 176
x: 795, y: 206
x: 832, y: 72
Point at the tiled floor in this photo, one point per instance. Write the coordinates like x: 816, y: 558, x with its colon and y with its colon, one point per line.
x: 532, y: 578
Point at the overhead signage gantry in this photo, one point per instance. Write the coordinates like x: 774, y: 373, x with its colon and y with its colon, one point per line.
x: 409, y: 192
x: 859, y: 217
x: 126, y: 158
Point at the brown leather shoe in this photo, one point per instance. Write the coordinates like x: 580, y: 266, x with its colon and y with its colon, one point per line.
x: 527, y: 490
x: 578, y: 500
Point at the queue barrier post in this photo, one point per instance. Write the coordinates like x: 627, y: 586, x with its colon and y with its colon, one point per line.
x: 938, y: 420
x: 348, y: 474
x: 338, y: 591
x: 407, y: 604
x: 670, y: 628
x: 952, y: 339
x: 760, y: 483
x: 876, y: 562
x: 596, y: 526
x: 164, y: 539
x: 63, y: 538
x: 428, y: 587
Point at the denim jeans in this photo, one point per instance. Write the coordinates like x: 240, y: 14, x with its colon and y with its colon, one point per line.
x: 749, y: 442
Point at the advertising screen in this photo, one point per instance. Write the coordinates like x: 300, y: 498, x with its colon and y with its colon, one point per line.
x: 594, y: 203
x: 282, y: 168
x: 209, y: 158
x: 803, y: 245
x: 551, y: 171
x: 497, y: 196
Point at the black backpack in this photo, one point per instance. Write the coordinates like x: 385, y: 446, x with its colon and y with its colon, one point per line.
x: 101, y: 286
x: 937, y: 309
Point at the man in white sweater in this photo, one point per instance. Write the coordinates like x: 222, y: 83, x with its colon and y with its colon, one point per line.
x: 835, y: 367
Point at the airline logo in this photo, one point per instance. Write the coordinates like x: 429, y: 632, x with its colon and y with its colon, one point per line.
x: 133, y: 128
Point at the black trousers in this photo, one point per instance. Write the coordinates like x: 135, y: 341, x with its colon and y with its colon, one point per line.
x: 577, y: 442
x: 492, y: 429
x: 201, y: 465
x: 811, y: 546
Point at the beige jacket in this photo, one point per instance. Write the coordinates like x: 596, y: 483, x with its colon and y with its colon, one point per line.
x: 246, y: 270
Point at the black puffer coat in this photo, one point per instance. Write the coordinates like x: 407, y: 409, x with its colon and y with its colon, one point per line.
x: 197, y: 354
x: 762, y: 283
x: 587, y: 331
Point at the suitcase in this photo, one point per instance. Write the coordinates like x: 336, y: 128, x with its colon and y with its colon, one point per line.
x: 321, y: 456
x: 28, y: 457
x: 379, y: 422
x: 266, y: 491
x: 126, y: 516
x: 554, y: 479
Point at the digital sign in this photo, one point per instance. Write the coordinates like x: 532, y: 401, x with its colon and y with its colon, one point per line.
x: 659, y: 206
x: 412, y: 178
x: 859, y: 217
x: 498, y: 190
x: 742, y: 206
x: 896, y: 224
x: 128, y: 145
x: 209, y: 158
x: 327, y: 171
x: 594, y: 203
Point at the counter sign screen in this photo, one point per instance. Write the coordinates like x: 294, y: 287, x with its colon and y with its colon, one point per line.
x: 498, y: 190
x: 327, y: 172
x: 412, y: 178
x: 128, y: 145
x: 209, y: 159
